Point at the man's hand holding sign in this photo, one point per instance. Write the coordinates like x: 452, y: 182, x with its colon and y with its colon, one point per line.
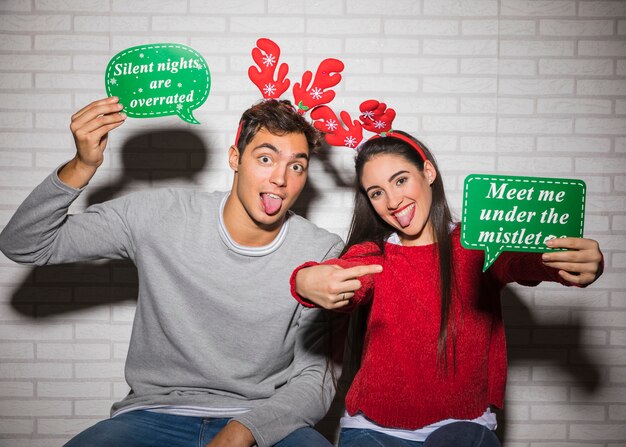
x: 159, y: 80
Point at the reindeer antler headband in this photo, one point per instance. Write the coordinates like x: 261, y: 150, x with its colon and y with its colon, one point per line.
x: 307, y: 95
x: 375, y: 117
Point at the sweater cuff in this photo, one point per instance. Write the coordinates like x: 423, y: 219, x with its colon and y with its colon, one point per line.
x: 56, y: 181
x: 292, y: 282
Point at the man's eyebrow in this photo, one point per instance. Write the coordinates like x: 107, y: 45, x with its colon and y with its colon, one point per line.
x: 301, y: 155
x: 275, y: 149
x: 268, y: 146
x: 390, y: 179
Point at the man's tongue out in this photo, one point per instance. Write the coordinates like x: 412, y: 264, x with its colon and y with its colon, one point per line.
x: 271, y: 203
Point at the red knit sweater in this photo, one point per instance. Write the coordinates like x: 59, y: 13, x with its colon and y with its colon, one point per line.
x: 399, y: 384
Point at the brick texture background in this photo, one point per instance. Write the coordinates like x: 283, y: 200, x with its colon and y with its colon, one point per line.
x: 520, y: 87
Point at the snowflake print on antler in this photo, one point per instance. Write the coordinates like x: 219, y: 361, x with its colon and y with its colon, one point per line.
x: 316, y: 93
x: 379, y: 124
x: 368, y: 114
x: 350, y: 142
x: 269, y: 60
x: 269, y: 90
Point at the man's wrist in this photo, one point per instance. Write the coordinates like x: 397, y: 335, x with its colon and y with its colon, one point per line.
x: 76, y: 174
x: 243, y: 432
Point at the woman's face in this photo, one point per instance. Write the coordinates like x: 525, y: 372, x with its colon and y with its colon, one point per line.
x: 401, y: 195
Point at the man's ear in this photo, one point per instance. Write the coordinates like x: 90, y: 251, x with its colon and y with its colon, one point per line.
x: 430, y: 172
x: 233, y: 158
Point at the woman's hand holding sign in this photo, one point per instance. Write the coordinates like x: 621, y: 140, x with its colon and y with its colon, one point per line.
x: 580, y: 263
x: 90, y: 127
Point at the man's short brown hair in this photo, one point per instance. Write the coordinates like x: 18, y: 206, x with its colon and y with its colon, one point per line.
x: 279, y: 117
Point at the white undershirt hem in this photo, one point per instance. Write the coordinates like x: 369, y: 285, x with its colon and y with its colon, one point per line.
x: 487, y: 419
x: 189, y: 410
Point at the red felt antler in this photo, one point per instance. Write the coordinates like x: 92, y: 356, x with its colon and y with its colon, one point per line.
x: 376, y: 117
x: 266, y: 55
x: 336, y: 134
x: 327, y: 75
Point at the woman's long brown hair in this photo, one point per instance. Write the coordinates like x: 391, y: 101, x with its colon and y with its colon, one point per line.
x: 367, y: 226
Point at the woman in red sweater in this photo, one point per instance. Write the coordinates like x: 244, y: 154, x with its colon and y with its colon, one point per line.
x: 434, y: 356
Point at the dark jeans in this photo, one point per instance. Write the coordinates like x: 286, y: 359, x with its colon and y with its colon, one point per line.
x: 456, y: 434
x: 149, y: 429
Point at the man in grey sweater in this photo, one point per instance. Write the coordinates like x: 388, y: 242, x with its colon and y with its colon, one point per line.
x: 220, y: 354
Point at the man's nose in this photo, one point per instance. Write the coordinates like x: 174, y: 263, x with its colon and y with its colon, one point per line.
x: 278, y: 175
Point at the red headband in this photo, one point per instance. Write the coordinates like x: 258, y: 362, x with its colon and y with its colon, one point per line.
x: 406, y: 139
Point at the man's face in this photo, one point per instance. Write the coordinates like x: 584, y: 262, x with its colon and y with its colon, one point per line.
x: 270, y: 175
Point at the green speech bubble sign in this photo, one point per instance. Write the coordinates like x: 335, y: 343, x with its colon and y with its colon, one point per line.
x: 159, y: 80
x: 510, y: 213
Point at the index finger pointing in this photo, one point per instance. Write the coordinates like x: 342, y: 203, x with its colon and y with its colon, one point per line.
x: 361, y: 270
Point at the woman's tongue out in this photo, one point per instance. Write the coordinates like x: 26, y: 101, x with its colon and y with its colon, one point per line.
x: 271, y: 203
x: 405, y: 215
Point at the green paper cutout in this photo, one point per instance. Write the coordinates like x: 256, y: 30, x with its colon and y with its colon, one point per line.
x: 159, y: 80
x: 511, y: 213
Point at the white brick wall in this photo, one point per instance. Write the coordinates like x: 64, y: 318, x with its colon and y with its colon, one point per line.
x: 515, y: 86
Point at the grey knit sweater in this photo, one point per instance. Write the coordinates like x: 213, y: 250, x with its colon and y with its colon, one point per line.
x: 215, y: 326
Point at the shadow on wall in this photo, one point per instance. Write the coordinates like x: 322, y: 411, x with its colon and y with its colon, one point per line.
x: 556, y: 345
x: 310, y: 192
x: 154, y: 157
x: 147, y: 160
